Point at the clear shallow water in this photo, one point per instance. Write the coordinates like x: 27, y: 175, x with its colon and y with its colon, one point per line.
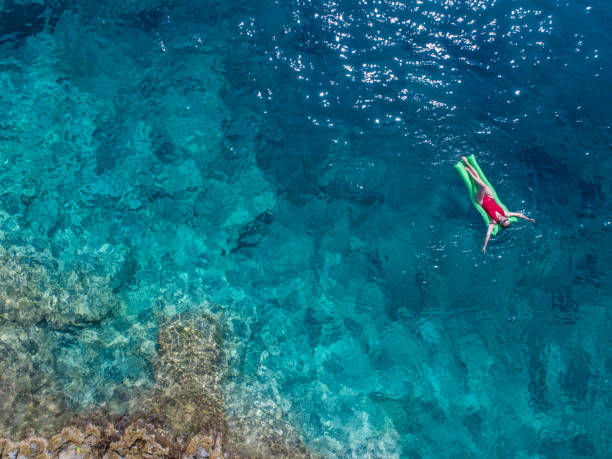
x: 289, y: 166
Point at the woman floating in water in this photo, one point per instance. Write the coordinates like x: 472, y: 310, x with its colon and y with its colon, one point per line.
x: 484, y: 197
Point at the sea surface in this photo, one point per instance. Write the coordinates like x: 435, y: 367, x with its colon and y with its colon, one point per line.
x: 288, y: 167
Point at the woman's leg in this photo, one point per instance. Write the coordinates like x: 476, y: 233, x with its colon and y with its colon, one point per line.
x: 479, y: 194
x: 474, y: 174
x: 482, y: 186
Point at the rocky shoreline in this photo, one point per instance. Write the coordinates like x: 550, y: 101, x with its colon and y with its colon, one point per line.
x: 182, y: 415
x: 138, y: 440
x: 111, y: 441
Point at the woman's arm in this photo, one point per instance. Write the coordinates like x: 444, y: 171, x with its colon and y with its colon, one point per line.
x: 491, y: 226
x: 519, y: 215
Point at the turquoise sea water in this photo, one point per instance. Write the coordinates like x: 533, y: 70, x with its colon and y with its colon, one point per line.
x: 288, y: 167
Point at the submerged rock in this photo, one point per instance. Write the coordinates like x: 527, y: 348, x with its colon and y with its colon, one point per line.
x: 182, y: 415
x: 32, y: 293
x: 46, y: 317
x: 188, y: 370
x: 62, y: 341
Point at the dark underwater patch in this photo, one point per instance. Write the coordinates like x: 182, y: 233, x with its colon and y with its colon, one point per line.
x: 19, y: 21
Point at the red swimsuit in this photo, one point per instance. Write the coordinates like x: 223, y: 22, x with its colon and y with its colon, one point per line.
x: 490, y: 207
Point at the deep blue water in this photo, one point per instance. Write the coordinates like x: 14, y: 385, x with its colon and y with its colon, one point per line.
x: 288, y: 166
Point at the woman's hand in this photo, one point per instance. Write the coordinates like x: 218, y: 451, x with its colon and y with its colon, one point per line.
x: 519, y: 215
x: 491, y: 226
